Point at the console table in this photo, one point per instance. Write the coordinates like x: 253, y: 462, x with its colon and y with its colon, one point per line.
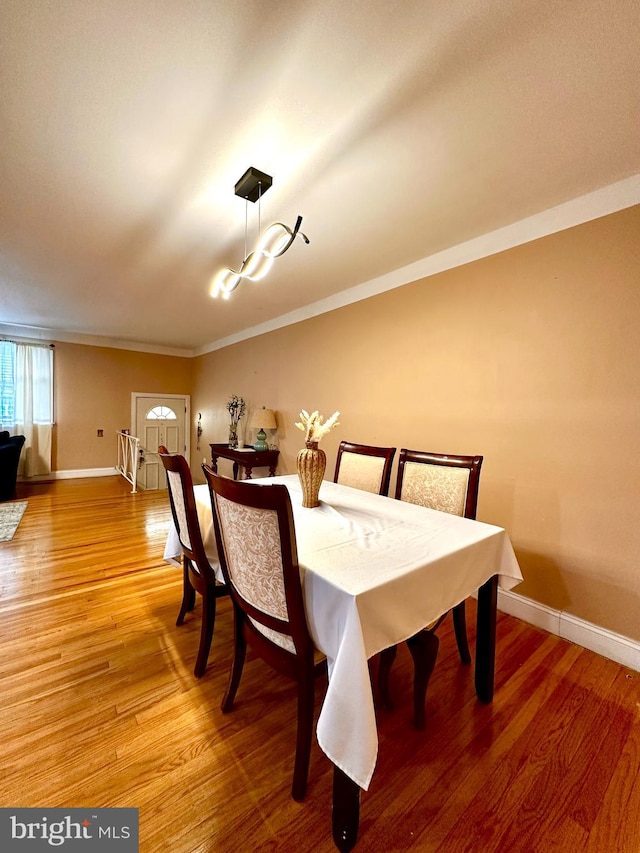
x: 245, y: 457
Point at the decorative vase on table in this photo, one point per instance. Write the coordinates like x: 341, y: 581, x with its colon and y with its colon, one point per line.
x: 235, y: 407
x: 233, y: 435
x: 311, y: 465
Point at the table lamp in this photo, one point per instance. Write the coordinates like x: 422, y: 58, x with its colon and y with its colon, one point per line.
x: 262, y: 419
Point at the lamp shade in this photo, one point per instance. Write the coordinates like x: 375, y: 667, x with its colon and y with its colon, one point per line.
x: 263, y: 419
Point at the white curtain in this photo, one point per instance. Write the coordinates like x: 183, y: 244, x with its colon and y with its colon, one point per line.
x: 33, y: 378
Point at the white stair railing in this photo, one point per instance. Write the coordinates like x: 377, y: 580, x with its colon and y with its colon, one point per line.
x: 128, y: 446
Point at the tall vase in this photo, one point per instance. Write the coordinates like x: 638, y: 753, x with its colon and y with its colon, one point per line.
x: 311, y: 465
x: 233, y: 435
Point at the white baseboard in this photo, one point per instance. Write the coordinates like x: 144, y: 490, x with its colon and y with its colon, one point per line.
x: 610, y: 645
x: 85, y: 472
x: 71, y: 475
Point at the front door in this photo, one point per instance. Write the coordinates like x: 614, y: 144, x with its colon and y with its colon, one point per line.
x: 158, y: 420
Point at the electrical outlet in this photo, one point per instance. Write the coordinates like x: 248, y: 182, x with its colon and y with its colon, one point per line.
x: 100, y: 433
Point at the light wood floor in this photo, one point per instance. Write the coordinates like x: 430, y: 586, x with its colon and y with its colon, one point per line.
x: 99, y: 707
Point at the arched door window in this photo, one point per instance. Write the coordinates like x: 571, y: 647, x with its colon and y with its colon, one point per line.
x: 161, y: 413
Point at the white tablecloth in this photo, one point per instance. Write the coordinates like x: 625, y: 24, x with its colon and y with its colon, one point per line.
x: 374, y: 571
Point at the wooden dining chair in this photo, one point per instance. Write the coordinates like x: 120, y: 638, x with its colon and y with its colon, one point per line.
x: 449, y: 484
x: 257, y: 547
x: 364, y: 466
x: 198, y: 573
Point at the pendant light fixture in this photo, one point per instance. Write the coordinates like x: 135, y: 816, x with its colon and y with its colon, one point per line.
x: 272, y: 244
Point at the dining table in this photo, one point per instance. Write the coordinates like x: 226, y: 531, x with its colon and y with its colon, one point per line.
x: 375, y: 571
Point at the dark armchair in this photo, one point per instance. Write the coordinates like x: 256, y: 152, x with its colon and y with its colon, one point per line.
x: 10, y: 449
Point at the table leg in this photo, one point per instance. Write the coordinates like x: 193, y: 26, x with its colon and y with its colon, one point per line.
x: 346, y: 811
x: 247, y: 472
x: 235, y: 470
x: 214, y: 464
x: 486, y: 639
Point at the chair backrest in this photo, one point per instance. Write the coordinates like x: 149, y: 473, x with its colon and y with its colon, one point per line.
x: 439, y: 481
x: 364, y: 467
x: 256, y: 541
x: 184, y: 512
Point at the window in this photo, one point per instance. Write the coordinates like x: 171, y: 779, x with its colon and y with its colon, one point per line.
x: 7, y: 383
x: 26, y: 384
x: 161, y: 413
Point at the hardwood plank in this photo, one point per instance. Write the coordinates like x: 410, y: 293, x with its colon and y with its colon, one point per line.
x: 614, y: 828
x: 465, y: 755
x: 100, y: 707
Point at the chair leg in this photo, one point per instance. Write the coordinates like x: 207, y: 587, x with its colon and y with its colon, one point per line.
x: 387, y: 657
x: 424, y: 651
x: 239, y: 653
x: 188, y: 593
x: 306, y: 696
x: 206, y: 633
x: 460, y: 628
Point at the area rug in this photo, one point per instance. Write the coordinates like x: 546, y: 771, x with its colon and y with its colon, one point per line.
x: 10, y: 516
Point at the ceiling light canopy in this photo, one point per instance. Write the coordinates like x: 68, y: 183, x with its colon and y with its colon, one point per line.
x: 253, y: 184
x: 272, y: 244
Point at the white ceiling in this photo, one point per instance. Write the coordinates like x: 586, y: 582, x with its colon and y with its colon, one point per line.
x: 396, y: 129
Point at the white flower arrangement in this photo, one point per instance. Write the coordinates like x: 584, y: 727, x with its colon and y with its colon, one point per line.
x: 315, y: 425
x: 235, y: 407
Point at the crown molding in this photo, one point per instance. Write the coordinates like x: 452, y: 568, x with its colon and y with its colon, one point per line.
x: 585, y: 208
x: 594, y: 205
x: 42, y: 335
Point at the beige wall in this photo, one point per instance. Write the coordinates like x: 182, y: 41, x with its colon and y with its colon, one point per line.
x: 529, y: 357
x: 93, y: 387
